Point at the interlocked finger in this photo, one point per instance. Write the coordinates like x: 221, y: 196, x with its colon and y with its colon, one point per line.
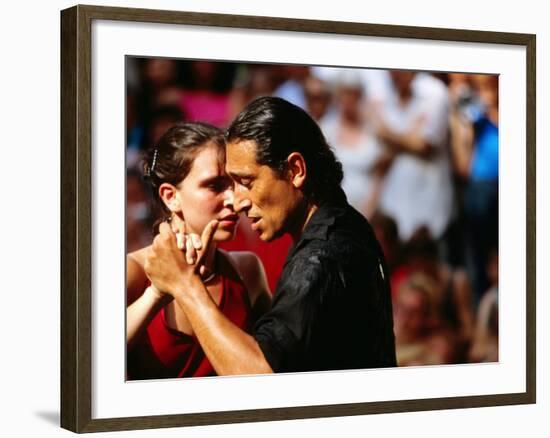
x: 190, y: 252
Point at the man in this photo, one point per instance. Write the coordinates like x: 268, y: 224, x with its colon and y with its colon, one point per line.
x: 412, y: 123
x: 332, y: 307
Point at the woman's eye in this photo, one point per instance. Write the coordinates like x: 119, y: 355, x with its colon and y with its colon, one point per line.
x: 220, y: 185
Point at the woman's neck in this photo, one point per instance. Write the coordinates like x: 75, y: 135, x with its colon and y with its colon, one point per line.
x: 210, y: 259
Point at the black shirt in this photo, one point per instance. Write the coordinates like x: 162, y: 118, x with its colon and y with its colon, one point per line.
x: 332, y: 306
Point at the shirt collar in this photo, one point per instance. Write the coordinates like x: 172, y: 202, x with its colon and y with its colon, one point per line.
x: 320, y: 222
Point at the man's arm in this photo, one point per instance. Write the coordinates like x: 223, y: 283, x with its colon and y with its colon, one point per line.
x: 229, y: 349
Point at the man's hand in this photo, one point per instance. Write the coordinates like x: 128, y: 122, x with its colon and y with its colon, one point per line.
x: 166, y: 264
x: 229, y: 348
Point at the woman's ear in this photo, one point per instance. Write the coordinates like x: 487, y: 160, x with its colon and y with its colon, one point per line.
x: 297, y: 169
x: 170, y: 196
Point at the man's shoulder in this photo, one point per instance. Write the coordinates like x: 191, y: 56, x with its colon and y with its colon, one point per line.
x: 351, y: 232
x: 348, y: 237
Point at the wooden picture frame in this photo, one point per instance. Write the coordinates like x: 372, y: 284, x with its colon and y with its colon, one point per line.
x: 76, y: 217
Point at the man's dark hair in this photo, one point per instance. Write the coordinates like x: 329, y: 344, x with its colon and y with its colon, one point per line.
x: 279, y: 128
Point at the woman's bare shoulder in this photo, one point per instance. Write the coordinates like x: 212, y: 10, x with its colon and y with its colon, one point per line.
x: 252, y: 272
x: 136, y: 278
x: 246, y: 262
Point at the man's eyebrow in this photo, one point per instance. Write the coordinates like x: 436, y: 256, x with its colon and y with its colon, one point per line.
x: 238, y: 174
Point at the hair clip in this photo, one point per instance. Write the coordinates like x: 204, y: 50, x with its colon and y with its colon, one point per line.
x: 152, y: 168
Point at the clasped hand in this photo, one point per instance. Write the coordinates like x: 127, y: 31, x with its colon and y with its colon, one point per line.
x: 175, y: 257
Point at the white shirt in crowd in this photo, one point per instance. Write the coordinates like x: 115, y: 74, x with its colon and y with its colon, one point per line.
x: 418, y: 191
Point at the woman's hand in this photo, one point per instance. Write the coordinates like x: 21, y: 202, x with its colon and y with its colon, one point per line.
x: 192, y: 245
x: 189, y: 243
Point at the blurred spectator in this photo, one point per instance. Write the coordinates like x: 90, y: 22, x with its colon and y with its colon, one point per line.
x: 206, y: 96
x: 160, y: 120
x: 251, y: 81
x: 420, y: 332
x: 138, y: 215
x: 378, y: 85
x: 485, y: 342
x: 152, y: 83
x: 292, y: 89
x: 451, y: 293
x: 474, y: 130
x: 318, y: 97
x: 161, y: 85
x: 387, y: 235
x: 161, y: 75
x: 354, y: 143
x: 412, y: 123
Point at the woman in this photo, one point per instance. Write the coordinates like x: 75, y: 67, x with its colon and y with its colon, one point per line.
x: 186, y: 171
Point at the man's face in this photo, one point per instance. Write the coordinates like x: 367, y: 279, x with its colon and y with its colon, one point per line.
x: 270, y: 200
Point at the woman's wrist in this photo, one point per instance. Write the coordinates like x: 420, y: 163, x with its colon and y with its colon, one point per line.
x: 154, y: 294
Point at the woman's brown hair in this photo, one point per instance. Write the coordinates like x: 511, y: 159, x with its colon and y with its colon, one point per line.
x: 171, y: 159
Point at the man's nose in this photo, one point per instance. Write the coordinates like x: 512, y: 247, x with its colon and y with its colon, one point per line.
x: 229, y: 198
x: 240, y: 201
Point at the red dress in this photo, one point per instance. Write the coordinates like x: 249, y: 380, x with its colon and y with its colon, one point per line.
x: 164, y: 352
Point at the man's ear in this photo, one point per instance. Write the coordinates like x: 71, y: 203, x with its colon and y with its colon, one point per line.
x: 296, y: 167
x: 169, y: 195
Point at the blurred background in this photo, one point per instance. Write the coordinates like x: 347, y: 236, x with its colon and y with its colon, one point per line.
x: 420, y: 157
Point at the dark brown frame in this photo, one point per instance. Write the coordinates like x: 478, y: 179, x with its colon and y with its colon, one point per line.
x: 76, y: 174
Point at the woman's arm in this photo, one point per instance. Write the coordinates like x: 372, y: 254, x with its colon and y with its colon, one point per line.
x: 143, y: 302
x: 229, y: 349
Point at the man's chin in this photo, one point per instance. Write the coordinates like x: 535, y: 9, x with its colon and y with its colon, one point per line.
x: 264, y: 236
x: 269, y: 236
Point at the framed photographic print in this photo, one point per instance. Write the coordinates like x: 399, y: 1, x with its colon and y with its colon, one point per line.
x: 435, y: 133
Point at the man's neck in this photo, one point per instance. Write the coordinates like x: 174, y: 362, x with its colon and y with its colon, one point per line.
x: 303, y: 220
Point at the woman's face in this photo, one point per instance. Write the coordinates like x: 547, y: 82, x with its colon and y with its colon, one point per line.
x: 206, y: 193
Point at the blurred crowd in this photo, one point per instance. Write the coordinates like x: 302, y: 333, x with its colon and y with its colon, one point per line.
x: 420, y: 157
